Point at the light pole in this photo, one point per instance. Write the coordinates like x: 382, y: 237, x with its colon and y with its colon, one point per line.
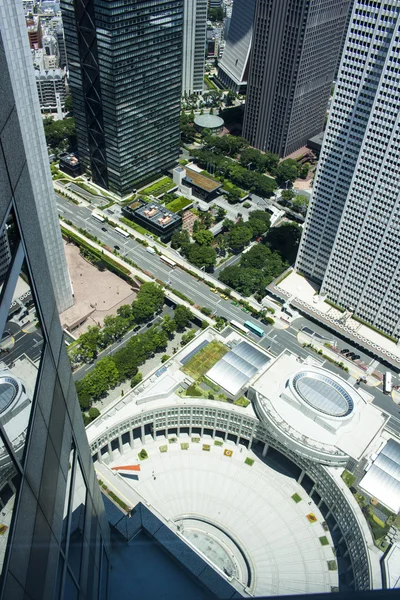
x: 286, y: 183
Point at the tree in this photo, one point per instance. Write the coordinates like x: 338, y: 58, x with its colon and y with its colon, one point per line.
x: 182, y: 317
x: 60, y: 134
x: 201, y: 256
x: 168, y: 325
x: 180, y: 238
x: 233, y: 196
x: 221, y: 212
x: 287, y: 196
x: 187, y: 337
x: 286, y: 171
x: 68, y: 104
x: 230, y: 97
x: 300, y: 203
x: 136, y: 379
x: 114, y: 328
x: 259, y: 221
x: 165, y: 357
x: 204, y: 237
x: 239, y: 236
x: 125, y: 311
x: 239, y: 279
x: 94, y: 413
x: 89, y: 343
x: 285, y: 240
x: 216, y: 14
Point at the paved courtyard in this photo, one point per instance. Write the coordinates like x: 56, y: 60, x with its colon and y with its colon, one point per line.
x: 251, y: 503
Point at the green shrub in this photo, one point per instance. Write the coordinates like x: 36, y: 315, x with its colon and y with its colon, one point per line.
x: 136, y: 379
x: 332, y: 565
x: 172, y: 440
x: 195, y: 440
x: 242, y: 401
x: 184, y: 446
x: 94, y: 413
x: 194, y: 391
x: 120, y: 502
x: 206, y: 447
x: 143, y: 454
x: 165, y: 357
x: 324, y: 540
x: 164, y: 448
x: 249, y: 461
x: 296, y: 498
x: 218, y: 443
x: 348, y: 478
x: 178, y: 204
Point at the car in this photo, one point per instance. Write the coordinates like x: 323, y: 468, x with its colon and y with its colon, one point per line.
x: 104, y: 229
x: 117, y: 248
x: 345, y: 351
x: 356, y: 357
x: 110, y: 212
x: 137, y: 328
x: 351, y: 355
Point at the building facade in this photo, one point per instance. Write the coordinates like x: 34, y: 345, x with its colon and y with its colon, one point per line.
x: 51, y: 88
x: 350, y: 242
x: 54, y: 541
x: 125, y: 66
x: 293, y: 62
x: 194, y: 41
x: 19, y: 62
x: 233, y: 68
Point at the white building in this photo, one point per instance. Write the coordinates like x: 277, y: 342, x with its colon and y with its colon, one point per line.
x: 351, y: 241
x: 194, y: 39
x: 19, y: 59
x: 50, y: 85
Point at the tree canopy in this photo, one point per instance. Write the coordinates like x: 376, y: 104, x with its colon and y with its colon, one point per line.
x: 285, y: 240
x: 287, y: 171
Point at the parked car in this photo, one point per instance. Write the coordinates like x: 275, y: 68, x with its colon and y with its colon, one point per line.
x: 117, y: 247
x: 103, y: 229
x: 356, y: 357
x: 345, y: 351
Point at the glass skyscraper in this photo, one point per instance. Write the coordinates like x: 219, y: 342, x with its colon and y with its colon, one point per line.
x: 351, y: 238
x: 54, y: 536
x: 295, y: 49
x: 125, y: 65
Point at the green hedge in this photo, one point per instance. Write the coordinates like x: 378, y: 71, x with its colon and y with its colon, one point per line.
x: 160, y: 187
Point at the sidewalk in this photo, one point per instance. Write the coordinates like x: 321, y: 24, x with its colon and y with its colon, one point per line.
x: 134, y: 272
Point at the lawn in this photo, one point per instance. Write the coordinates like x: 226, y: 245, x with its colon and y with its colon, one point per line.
x: 242, y: 401
x: 159, y: 187
x: 202, y: 362
x: 178, y: 204
x: 348, y: 478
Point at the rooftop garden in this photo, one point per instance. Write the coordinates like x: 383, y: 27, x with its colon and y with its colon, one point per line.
x: 159, y: 187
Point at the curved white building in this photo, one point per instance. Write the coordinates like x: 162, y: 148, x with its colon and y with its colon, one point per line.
x: 314, y: 412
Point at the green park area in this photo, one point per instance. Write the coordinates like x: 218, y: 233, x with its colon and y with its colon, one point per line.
x: 159, y: 187
x: 206, y: 358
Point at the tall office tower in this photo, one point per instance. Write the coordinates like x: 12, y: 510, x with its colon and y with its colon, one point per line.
x: 346, y: 28
x: 194, y: 42
x: 54, y: 535
x: 293, y: 63
x: 351, y: 239
x: 233, y: 68
x: 19, y: 62
x: 125, y: 67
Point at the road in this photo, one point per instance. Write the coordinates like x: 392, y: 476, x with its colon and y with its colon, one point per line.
x: 276, y: 339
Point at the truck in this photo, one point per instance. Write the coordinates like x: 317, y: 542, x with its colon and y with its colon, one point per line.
x: 150, y: 250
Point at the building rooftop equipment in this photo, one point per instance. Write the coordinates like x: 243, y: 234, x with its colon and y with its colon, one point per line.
x: 237, y: 367
x: 382, y: 480
x: 157, y: 214
x: 201, y: 181
x: 208, y: 121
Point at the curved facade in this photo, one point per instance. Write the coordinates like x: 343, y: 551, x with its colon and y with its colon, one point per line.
x: 207, y: 417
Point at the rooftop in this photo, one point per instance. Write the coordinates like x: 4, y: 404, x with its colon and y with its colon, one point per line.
x: 201, y: 181
x: 382, y: 480
x: 157, y: 214
x: 316, y: 408
x: 208, y: 121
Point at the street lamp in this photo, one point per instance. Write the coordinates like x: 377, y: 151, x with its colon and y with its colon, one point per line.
x: 249, y: 165
x: 286, y: 183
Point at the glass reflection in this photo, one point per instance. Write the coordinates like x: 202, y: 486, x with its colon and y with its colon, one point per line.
x: 9, y: 484
x: 78, y: 508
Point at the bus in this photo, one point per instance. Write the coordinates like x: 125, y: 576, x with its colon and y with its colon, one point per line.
x: 124, y: 234
x: 98, y: 217
x: 239, y: 326
x: 168, y: 261
x: 257, y: 330
x: 387, y: 383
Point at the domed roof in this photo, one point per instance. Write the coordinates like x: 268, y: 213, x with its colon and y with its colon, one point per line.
x: 323, y: 393
x: 208, y: 121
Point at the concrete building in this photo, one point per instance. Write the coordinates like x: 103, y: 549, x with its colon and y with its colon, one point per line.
x: 212, y: 122
x: 50, y: 85
x: 233, y: 68
x: 61, y: 46
x: 194, y: 40
x: 154, y: 217
x: 293, y: 62
x: 54, y: 534
x: 126, y: 87
x: 350, y: 243
x: 19, y: 61
x: 34, y: 28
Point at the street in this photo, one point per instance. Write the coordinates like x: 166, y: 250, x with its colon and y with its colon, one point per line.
x: 276, y: 340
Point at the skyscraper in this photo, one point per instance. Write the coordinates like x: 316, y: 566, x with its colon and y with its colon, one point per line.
x: 125, y: 65
x: 54, y: 535
x: 233, y: 68
x: 293, y: 63
x: 19, y: 62
x: 351, y: 240
x: 194, y: 42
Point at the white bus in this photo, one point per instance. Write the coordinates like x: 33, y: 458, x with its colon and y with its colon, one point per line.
x: 239, y: 326
x: 168, y: 261
x: 387, y: 383
x: 124, y: 234
x: 98, y: 217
